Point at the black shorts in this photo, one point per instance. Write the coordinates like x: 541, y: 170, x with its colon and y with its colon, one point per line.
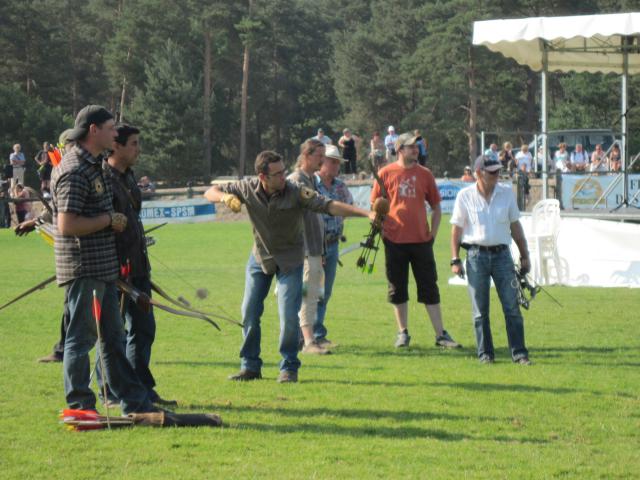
x: 420, y: 256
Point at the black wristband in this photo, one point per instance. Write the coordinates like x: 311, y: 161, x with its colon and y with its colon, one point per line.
x: 455, y: 261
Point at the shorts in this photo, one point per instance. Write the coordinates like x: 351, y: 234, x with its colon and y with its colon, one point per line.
x: 423, y: 265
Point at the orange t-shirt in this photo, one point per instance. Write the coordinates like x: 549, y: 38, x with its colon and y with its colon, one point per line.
x: 407, y: 189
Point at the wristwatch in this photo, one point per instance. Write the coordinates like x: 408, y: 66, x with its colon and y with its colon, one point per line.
x: 455, y: 261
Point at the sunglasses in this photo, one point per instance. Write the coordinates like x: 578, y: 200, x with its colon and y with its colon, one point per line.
x: 493, y: 173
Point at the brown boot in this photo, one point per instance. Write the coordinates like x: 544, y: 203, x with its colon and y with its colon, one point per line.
x: 287, y: 376
x: 51, y: 358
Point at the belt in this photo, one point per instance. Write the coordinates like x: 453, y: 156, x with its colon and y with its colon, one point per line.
x: 483, y: 248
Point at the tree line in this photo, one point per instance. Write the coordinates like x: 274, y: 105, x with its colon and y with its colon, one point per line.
x: 212, y: 82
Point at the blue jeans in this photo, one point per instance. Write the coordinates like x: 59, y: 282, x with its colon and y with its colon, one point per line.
x: 81, y: 338
x: 330, y: 266
x: 141, y: 332
x: 481, y: 268
x: 256, y: 288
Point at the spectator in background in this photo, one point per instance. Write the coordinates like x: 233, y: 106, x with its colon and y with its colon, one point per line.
x: 598, y: 160
x: 44, y: 167
x: 523, y: 184
x: 422, y: 148
x: 579, y: 159
x: 615, y: 159
x: 561, y: 158
x: 23, y: 209
x: 349, y: 142
x: 5, y: 212
x: 377, y: 151
x: 390, y: 144
x: 323, y: 138
x: 492, y: 152
x: 146, y: 185
x: 507, y: 159
x: 467, y: 175
x: 18, y: 162
x: 523, y: 158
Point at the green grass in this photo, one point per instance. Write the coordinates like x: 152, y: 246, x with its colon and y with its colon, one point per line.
x: 368, y: 411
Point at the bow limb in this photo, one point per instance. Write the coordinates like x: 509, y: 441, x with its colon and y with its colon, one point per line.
x: 144, y: 301
x: 156, y: 288
x: 30, y: 291
x: 41, y: 198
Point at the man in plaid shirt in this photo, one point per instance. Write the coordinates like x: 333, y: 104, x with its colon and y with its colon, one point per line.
x: 86, y: 260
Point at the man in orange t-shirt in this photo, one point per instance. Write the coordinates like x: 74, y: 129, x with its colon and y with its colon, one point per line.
x: 408, y: 239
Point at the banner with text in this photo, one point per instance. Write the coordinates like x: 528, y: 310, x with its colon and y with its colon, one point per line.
x: 178, y: 211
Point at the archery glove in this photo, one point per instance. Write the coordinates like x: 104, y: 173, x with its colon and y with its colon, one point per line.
x: 232, y: 202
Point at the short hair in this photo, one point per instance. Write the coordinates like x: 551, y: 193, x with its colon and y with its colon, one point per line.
x: 124, y: 132
x: 308, y: 147
x: 376, y: 133
x: 562, y: 145
x: 264, y: 159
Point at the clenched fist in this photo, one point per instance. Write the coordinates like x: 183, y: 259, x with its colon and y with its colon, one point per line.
x: 232, y: 202
x: 118, y: 222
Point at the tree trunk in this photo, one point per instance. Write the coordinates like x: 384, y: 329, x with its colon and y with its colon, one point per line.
x: 276, y: 107
x: 473, y: 110
x: 206, y: 104
x: 243, y: 106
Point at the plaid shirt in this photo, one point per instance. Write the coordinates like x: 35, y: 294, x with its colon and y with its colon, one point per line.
x: 333, y: 226
x: 79, y: 186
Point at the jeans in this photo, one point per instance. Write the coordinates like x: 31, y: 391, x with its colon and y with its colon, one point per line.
x: 256, y: 288
x: 82, y: 336
x: 330, y: 268
x: 481, y: 268
x: 141, y: 332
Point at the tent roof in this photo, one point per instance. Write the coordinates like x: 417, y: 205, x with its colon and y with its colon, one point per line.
x: 584, y: 43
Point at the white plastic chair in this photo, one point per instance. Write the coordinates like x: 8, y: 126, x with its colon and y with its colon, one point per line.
x: 543, y: 241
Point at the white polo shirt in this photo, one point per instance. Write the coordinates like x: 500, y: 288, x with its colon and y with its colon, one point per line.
x: 485, y: 223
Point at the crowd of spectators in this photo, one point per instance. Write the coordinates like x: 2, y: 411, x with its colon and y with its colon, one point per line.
x: 580, y: 160
x: 381, y: 151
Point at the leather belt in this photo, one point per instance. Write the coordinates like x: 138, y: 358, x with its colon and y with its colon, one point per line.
x: 484, y: 248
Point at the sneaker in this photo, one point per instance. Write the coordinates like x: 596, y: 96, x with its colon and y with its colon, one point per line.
x: 523, y: 361
x: 314, y: 348
x: 486, y: 359
x: 51, y: 358
x: 246, y: 375
x: 446, y: 341
x: 326, y: 343
x: 403, y: 339
x: 287, y: 376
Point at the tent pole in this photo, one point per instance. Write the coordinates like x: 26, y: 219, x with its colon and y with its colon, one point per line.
x: 624, y: 106
x: 543, y: 118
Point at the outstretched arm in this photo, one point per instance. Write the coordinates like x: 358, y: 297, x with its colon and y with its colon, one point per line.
x: 340, y: 209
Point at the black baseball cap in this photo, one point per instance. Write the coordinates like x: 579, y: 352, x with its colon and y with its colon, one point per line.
x: 91, y: 114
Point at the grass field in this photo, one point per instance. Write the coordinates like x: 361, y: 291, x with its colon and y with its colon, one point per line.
x: 368, y: 411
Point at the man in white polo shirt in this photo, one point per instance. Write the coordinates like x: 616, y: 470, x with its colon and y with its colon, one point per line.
x: 485, y: 219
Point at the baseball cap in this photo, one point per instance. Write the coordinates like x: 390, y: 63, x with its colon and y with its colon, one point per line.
x: 331, y: 151
x: 391, y: 129
x: 484, y: 162
x: 63, y: 139
x: 86, y: 117
x: 406, y: 139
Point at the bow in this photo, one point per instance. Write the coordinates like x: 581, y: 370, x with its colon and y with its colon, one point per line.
x: 527, y: 292
x: 371, y: 243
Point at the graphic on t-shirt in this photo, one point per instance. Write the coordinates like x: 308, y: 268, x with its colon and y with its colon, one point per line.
x: 407, y: 187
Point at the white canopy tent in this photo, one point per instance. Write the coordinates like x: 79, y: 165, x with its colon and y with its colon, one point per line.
x: 585, y: 43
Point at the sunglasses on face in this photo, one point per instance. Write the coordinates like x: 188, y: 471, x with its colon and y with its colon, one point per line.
x: 492, y: 173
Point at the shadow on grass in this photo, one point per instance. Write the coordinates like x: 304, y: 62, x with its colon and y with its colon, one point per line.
x: 381, y: 432
x: 234, y: 366
x: 363, y: 414
x: 414, y: 351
